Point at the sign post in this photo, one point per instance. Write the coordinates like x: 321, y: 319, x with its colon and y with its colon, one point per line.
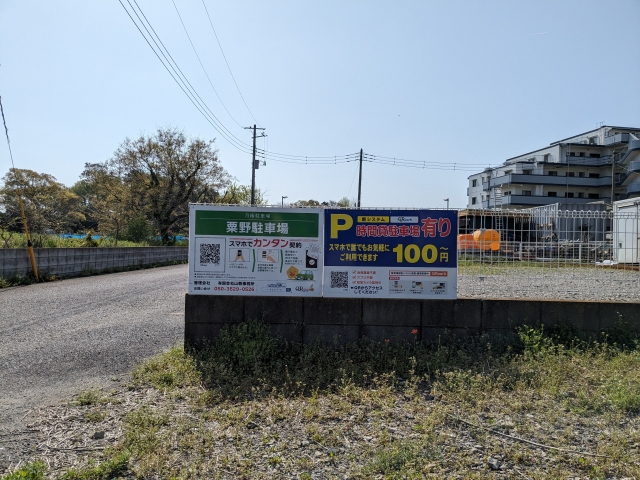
x: 255, y: 251
x: 390, y: 253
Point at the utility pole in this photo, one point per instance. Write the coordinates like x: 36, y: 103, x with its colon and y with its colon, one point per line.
x: 613, y: 177
x: 254, y: 165
x: 360, y: 180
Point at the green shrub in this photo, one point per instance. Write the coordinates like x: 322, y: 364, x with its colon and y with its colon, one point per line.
x: 29, y: 471
x: 138, y: 230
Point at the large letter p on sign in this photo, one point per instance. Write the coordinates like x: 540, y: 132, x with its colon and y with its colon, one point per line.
x: 340, y: 221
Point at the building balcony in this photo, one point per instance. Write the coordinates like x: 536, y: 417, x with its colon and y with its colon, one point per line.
x: 633, y: 190
x: 532, y: 179
x: 534, y: 200
x: 618, y: 138
x: 631, y: 175
x: 631, y: 153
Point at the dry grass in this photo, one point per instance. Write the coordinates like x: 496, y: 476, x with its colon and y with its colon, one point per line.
x: 251, y: 407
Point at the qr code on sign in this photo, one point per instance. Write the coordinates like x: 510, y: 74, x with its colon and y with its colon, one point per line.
x: 209, y: 254
x: 339, y: 279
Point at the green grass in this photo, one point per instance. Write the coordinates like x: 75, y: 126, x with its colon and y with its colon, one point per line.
x: 30, y: 471
x: 114, y: 467
x: 19, y: 240
x: 89, y: 397
x: 241, y: 408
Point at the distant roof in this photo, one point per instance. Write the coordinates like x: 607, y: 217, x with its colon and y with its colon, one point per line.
x: 594, y: 130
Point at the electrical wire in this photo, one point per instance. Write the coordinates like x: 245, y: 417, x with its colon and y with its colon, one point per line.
x: 225, y: 60
x: 219, y: 126
x: 6, y: 132
x: 177, y: 80
x: 419, y: 163
x: 181, y: 80
x: 353, y: 180
x: 203, y: 69
x: 314, y: 162
x: 422, y: 164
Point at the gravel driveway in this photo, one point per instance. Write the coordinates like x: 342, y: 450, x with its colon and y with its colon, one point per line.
x: 60, y: 338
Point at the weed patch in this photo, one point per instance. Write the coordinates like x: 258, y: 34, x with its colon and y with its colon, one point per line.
x: 30, y: 471
x: 537, y: 405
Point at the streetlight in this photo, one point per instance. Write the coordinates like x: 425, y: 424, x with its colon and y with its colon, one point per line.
x: 446, y: 200
x: 283, y: 200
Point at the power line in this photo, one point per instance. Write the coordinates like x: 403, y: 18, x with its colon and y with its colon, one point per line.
x: 220, y: 126
x: 6, y: 132
x: 177, y: 80
x: 425, y: 164
x: 203, y: 69
x: 225, y: 60
x: 313, y: 162
x: 181, y: 80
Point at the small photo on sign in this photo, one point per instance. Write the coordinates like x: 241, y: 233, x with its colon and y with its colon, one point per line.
x: 239, y: 255
x: 268, y: 256
x: 311, y: 262
x: 210, y: 254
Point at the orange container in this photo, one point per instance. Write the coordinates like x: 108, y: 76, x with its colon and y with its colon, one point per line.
x: 465, y: 241
x: 486, y: 239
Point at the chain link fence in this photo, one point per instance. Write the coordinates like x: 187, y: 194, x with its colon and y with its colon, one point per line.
x: 549, y: 252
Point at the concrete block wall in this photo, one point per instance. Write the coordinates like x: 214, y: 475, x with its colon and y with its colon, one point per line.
x: 339, y: 320
x: 70, y: 262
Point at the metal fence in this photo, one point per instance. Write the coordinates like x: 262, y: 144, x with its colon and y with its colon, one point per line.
x: 549, y: 253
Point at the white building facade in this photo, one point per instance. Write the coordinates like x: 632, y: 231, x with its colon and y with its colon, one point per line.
x: 591, y: 167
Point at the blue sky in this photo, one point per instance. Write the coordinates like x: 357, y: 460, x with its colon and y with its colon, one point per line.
x: 454, y: 82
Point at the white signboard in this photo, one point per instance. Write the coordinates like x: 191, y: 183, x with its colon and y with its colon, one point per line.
x: 255, y: 251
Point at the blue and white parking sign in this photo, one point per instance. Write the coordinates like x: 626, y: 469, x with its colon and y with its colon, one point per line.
x: 390, y: 253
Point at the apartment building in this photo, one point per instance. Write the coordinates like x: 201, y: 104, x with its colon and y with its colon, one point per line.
x: 585, y: 168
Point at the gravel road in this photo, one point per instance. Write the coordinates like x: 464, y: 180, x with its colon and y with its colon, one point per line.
x: 595, y: 284
x: 60, y: 338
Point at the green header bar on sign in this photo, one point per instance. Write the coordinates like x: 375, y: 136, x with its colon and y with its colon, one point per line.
x: 251, y: 223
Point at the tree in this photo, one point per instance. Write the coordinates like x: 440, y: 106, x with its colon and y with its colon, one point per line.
x: 240, y: 195
x: 306, y: 203
x: 344, y: 202
x: 107, y: 198
x: 161, y: 174
x: 48, y: 204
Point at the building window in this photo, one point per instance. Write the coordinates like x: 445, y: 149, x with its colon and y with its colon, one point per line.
x: 553, y: 173
x: 594, y: 155
x: 580, y: 194
x: 593, y: 140
x: 582, y: 154
x: 474, y: 200
x: 552, y: 194
x: 526, y: 193
x: 594, y: 195
x: 571, y: 174
x: 546, y: 157
x: 569, y: 194
x: 594, y: 175
x: 572, y: 154
x: 526, y: 172
x: 474, y: 182
x: 581, y: 174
